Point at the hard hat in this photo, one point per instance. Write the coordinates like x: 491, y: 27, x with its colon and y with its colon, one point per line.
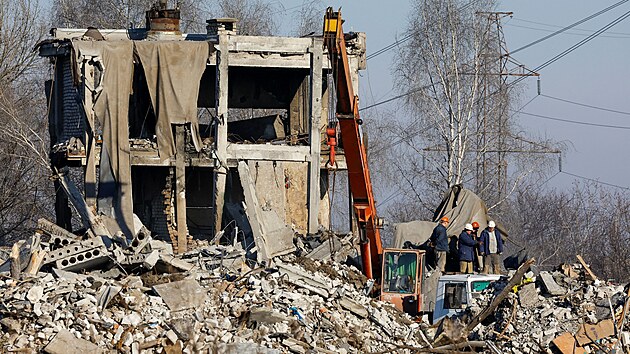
x: 444, y: 219
x: 491, y: 224
x: 468, y: 227
x: 475, y: 225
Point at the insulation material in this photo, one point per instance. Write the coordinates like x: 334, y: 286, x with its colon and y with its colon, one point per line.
x: 173, y: 70
x: 111, y: 108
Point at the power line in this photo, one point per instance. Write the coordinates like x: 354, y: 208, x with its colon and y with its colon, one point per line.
x: 409, y: 36
x: 575, y: 121
x: 577, y: 45
x: 414, y: 90
x: 577, y: 29
x: 569, y: 26
x: 625, y: 36
x: 595, y: 180
x: 586, y: 105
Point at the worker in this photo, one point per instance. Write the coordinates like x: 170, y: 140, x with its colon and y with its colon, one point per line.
x: 492, y: 246
x: 439, y: 241
x: 466, y: 250
x: 478, y: 257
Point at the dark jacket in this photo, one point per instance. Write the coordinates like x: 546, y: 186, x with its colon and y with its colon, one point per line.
x: 439, y: 238
x: 466, y: 247
x: 485, y: 239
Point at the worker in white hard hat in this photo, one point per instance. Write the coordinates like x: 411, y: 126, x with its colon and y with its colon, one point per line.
x: 492, y: 248
x: 466, y: 245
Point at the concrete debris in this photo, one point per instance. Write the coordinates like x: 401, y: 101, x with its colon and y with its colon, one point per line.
x: 214, y: 298
x: 565, y: 311
x: 300, y: 305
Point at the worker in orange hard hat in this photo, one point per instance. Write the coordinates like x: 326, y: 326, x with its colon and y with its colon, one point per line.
x: 478, y: 257
x: 439, y: 241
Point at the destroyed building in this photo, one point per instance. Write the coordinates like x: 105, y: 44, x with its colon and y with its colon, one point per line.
x: 194, y: 133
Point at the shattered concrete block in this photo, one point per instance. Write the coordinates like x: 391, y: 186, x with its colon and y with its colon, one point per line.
x: 550, y: 285
x: 176, y: 262
x: 151, y: 259
x: 305, y: 280
x: 66, y: 343
x: 268, y: 316
x: 181, y: 295
x: 85, y: 259
x: 528, y: 296
x: 353, y: 307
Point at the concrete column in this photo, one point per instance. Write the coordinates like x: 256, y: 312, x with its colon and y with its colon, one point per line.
x: 220, y: 133
x: 180, y: 188
x: 315, y: 115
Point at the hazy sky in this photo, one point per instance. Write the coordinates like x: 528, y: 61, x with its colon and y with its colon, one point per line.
x: 596, y: 74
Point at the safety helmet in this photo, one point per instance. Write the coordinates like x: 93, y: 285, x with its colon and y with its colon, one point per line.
x: 444, y: 219
x: 468, y: 227
x: 475, y: 225
x: 491, y: 224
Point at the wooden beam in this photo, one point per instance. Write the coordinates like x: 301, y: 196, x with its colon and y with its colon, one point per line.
x: 221, y: 129
x: 180, y: 188
x: 315, y: 115
x: 586, y: 268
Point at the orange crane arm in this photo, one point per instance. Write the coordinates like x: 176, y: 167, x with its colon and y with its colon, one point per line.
x: 347, y: 113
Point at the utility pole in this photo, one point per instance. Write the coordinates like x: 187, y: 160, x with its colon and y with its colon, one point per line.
x: 493, y: 123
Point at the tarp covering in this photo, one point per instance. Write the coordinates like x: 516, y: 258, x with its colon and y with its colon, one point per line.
x: 111, y: 108
x: 461, y: 205
x: 173, y: 71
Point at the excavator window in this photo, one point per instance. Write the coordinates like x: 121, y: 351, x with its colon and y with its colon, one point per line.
x: 400, y: 272
x: 455, y: 295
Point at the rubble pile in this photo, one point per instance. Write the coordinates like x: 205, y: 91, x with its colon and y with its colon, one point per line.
x: 206, y: 300
x: 568, y: 310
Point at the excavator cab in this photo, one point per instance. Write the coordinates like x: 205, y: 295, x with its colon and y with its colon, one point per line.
x: 402, y: 278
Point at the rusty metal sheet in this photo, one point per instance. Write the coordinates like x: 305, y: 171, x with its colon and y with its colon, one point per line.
x: 567, y: 344
x: 588, y: 333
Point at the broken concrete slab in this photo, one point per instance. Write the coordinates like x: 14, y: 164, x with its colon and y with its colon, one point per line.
x: 271, y: 235
x: 309, y: 281
x: 353, y: 307
x: 550, y: 285
x: 176, y: 263
x: 66, y: 343
x: 181, y: 295
x: 268, y: 316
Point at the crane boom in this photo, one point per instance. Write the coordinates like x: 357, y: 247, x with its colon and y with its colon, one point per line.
x: 347, y: 113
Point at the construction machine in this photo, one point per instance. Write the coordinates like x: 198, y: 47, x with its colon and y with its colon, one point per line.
x: 399, y: 272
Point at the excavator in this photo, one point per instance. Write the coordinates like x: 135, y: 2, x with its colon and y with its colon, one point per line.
x: 400, y: 273
x: 399, y: 270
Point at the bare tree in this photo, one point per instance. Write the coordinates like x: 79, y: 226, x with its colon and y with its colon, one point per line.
x: 310, y: 18
x: 121, y: 13
x: 24, y: 185
x: 255, y: 17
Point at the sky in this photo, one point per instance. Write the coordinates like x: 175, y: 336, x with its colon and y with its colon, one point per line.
x: 595, y: 74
